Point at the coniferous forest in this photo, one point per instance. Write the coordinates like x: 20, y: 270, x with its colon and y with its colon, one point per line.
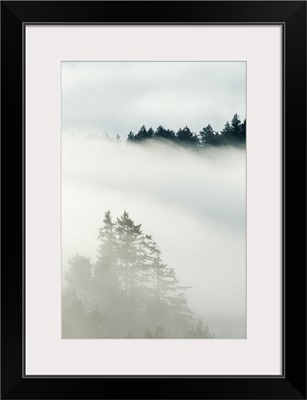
x: 127, y: 292
x: 233, y: 134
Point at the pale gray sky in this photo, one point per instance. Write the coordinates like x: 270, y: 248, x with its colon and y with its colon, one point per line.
x: 119, y: 97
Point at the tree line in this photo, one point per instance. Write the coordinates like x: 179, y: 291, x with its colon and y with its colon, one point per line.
x: 233, y: 133
x: 128, y: 292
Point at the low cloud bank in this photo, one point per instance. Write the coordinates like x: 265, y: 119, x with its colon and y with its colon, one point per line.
x: 193, y: 203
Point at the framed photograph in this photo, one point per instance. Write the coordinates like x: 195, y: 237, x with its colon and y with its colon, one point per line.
x: 153, y: 200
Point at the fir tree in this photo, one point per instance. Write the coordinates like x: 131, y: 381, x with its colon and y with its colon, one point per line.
x: 79, y: 275
x: 129, y: 292
x: 226, y: 131
x: 243, y: 131
x: 105, y: 284
x: 236, y: 128
x: 208, y: 137
x: 131, y: 137
x: 129, y: 239
x: 167, y: 134
x: 185, y: 136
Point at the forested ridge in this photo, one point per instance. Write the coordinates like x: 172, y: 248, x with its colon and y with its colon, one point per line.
x: 128, y: 292
x: 233, y: 133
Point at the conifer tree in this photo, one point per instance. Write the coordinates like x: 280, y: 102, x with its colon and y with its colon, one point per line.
x: 105, y: 284
x: 185, y: 136
x: 236, y: 127
x: 226, y: 131
x: 129, y: 239
x: 169, y: 300
x: 208, y: 137
x: 167, y: 134
x: 79, y: 275
x: 131, y: 137
x: 107, y: 248
x: 243, y: 131
x: 129, y: 292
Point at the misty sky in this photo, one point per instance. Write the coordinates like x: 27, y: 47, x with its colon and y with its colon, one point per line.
x: 119, y: 97
x: 192, y: 204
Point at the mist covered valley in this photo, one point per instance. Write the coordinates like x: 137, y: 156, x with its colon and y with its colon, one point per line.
x: 168, y: 260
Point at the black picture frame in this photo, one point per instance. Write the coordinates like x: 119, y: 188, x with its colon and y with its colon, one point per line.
x: 292, y: 16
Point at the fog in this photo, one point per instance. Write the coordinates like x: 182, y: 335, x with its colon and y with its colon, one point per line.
x: 119, y: 97
x: 193, y: 203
